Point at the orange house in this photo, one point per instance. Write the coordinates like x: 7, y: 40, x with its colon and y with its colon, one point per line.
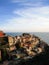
x: 2, y: 34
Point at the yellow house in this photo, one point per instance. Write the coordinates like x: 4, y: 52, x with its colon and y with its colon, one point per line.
x: 11, y: 42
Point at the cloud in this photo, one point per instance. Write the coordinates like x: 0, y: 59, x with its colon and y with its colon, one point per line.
x: 39, y: 13
x: 26, y: 15
x: 33, y: 18
x: 29, y: 3
x: 33, y: 1
x: 29, y: 20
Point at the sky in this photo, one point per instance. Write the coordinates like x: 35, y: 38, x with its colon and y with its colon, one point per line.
x: 24, y: 15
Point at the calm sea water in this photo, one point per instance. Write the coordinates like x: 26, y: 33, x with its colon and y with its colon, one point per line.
x: 44, y: 36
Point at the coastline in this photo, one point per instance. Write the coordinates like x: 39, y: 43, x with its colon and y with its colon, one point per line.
x: 26, y: 47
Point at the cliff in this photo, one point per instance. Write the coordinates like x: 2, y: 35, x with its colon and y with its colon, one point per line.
x: 26, y: 49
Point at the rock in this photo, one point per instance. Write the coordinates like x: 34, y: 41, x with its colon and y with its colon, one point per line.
x: 27, y: 50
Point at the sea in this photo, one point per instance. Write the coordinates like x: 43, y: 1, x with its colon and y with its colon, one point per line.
x: 42, y: 35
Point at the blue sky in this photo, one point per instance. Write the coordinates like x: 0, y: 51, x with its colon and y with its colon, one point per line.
x: 24, y: 15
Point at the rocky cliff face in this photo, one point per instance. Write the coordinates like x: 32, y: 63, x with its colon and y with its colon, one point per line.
x: 39, y: 59
x: 27, y: 49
